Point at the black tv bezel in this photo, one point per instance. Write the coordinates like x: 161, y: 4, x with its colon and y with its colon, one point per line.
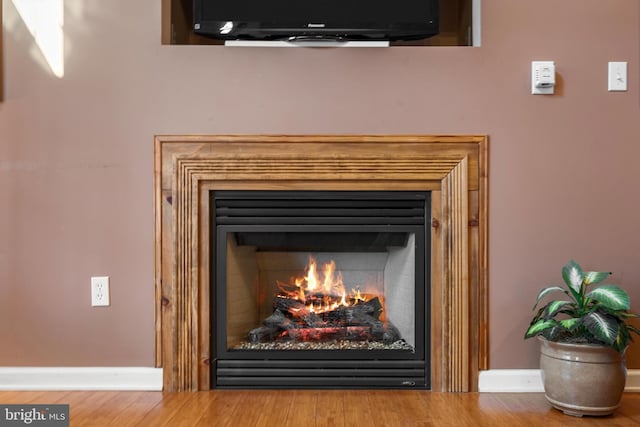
x: 253, y: 30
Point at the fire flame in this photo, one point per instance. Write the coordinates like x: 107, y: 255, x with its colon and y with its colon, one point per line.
x: 321, y: 293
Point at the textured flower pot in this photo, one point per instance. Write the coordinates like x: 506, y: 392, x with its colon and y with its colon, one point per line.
x: 582, y: 379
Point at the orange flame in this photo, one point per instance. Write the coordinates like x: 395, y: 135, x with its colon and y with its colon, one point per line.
x: 312, y: 275
x: 321, y: 293
x: 357, y: 295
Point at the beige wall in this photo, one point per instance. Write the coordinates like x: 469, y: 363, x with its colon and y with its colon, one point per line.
x: 76, y: 155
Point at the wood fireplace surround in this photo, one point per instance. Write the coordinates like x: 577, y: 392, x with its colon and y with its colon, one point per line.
x: 453, y: 168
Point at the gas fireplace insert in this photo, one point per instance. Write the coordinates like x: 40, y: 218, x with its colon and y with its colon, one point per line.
x: 320, y: 289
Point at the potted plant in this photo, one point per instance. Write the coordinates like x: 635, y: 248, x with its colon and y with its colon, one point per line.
x: 583, y: 337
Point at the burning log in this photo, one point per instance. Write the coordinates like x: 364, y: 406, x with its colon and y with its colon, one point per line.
x: 278, y: 320
x: 349, y: 315
x: 346, y: 323
x: 304, y: 318
x: 293, y: 320
x: 377, y: 307
x: 363, y: 313
x: 288, y: 305
x: 263, y: 334
x: 391, y: 334
x: 313, y: 320
x: 319, y: 309
x: 297, y: 311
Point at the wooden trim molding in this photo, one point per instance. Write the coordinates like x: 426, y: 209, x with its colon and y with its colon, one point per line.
x: 453, y: 168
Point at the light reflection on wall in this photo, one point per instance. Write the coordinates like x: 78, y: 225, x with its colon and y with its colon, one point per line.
x: 45, y: 21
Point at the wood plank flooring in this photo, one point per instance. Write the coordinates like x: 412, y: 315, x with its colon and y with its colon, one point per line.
x: 319, y: 408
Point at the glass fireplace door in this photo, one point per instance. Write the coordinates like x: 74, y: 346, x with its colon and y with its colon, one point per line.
x: 343, y: 291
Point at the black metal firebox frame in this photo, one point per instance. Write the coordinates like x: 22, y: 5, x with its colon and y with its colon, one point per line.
x: 320, y: 212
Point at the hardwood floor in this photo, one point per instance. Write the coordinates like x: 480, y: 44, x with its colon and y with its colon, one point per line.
x: 331, y: 408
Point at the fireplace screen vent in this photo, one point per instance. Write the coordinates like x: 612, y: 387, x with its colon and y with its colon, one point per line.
x: 310, y: 208
x: 320, y: 289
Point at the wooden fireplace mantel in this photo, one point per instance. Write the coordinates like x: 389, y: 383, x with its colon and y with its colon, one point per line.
x: 453, y: 168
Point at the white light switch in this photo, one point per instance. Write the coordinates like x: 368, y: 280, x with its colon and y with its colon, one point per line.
x: 617, y: 76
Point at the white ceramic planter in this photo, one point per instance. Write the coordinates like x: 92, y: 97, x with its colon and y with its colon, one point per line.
x: 582, y: 379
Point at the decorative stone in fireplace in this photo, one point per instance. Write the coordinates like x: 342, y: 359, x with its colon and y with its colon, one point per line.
x: 452, y: 168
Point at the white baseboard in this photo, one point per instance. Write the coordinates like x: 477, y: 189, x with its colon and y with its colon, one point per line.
x: 118, y: 378
x: 150, y: 379
x: 530, y: 381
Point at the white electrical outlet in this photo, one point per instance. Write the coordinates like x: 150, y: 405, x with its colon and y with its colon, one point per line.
x: 100, y: 291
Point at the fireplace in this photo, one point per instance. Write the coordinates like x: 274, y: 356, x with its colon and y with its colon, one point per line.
x: 320, y: 289
x: 452, y: 169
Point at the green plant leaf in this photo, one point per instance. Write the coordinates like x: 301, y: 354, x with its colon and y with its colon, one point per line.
x: 539, y: 314
x: 602, y: 326
x: 611, y: 296
x: 624, y: 315
x: 538, y: 327
x: 622, y: 340
x: 570, y: 324
x: 553, y: 334
x: 547, y: 291
x: 573, y: 276
x: 595, y: 277
x: 554, y: 307
x: 633, y: 329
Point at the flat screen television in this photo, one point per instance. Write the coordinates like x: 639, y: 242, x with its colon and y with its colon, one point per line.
x: 341, y: 20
